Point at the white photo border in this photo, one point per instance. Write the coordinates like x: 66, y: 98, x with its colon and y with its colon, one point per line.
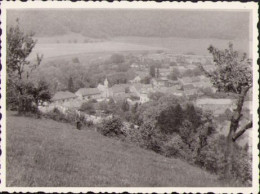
x: 228, y: 6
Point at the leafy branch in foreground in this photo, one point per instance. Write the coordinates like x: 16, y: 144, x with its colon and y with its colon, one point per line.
x: 233, y: 74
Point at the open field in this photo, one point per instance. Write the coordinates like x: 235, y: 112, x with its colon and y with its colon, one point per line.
x: 50, y: 49
x: 47, y: 153
x: 64, y: 49
x: 185, y: 45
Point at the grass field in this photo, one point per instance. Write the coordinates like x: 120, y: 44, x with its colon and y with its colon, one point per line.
x: 64, y: 49
x: 43, y: 152
x: 184, y: 45
x: 50, y: 49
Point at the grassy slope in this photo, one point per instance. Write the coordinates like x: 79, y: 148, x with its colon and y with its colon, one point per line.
x: 47, y: 153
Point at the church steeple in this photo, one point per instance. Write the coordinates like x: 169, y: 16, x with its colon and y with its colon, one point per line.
x: 106, y: 83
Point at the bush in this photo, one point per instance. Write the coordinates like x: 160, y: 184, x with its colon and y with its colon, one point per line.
x: 88, y: 108
x: 212, y: 158
x: 56, y: 115
x: 70, y: 116
x: 111, y: 127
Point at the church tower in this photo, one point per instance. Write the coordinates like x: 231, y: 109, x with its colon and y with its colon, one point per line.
x: 106, y: 83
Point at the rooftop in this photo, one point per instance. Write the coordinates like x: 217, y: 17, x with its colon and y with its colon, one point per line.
x: 88, y: 91
x: 119, y: 88
x: 221, y: 101
x: 62, y: 95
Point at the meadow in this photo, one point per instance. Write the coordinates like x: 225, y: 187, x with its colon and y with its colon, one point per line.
x: 58, y: 46
x: 187, y: 45
x: 52, y: 50
x: 42, y: 152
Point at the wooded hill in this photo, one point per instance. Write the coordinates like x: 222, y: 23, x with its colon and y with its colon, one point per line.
x: 112, y: 23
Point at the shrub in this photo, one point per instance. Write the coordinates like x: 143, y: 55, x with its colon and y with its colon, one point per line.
x: 88, y: 108
x: 212, y: 158
x: 56, y: 115
x: 111, y: 127
x: 70, y: 116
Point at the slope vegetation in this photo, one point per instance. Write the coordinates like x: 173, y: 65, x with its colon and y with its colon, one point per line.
x: 43, y: 152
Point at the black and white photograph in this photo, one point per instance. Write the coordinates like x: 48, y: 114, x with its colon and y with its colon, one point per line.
x: 129, y: 97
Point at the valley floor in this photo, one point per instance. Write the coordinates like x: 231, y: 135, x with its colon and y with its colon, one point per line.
x: 43, y: 152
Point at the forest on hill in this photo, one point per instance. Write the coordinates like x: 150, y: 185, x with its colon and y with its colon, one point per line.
x: 103, y: 23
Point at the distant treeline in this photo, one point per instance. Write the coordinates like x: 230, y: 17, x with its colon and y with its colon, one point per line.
x: 113, y: 23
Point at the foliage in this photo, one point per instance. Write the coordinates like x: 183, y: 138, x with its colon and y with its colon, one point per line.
x: 152, y: 71
x: 32, y: 95
x: 233, y: 71
x: 146, y: 80
x: 233, y: 74
x: 69, y: 116
x: 125, y: 106
x: 75, y: 60
x: 174, y: 75
x: 21, y: 91
x: 111, y: 127
x: 212, y: 157
x: 71, y: 85
x: 88, y: 107
x: 117, y: 58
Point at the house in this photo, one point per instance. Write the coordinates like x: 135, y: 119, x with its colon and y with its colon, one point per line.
x: 132, y: 100
x: 138, y: 78
x: 142, y: 91
x: 171, y: 83
x: 159, y: 82
x: 134, y: 65
x: 164, y: 72
x: 217, y: 106
x: 88, y: 93
x: 63, y: 96
x: 64, y: 99
x: 121, y: 97
x: 185, y: 80
x: 118, y: 89
x: 191, y: 93
x: 187, y: 87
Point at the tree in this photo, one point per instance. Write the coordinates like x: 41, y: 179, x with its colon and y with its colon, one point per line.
x: 233, y: 74
x: 71, y: 85
x: 117, y: 59
x: 125, y: 106
x: 152, y: 71
x: 88, y: 108
x: 19, y: 68
x: 157, y: 73
x: 174, y: 74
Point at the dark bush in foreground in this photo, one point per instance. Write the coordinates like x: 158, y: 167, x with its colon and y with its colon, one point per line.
x: 111, y: 127
x: 88, y: 108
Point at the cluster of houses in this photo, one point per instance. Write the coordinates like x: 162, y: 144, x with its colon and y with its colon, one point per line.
x: 135, y: 91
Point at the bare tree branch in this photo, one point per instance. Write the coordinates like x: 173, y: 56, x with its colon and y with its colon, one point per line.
x: 242, y: 131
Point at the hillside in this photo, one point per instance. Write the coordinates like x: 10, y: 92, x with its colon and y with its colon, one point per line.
x: 43, y: 152
x: 104, y: 23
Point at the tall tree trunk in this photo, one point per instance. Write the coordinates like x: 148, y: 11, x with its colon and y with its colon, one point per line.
x: 232, y: 130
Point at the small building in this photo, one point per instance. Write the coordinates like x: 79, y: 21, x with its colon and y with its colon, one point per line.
x: 142, y: 91
x: 159, y: 82
x: 64, y: 99
x: 88, y: 93
x: 63, y: 96
x: 134, y: 65
x: 118, y: 89
x: 217, y: 106
x: 187, y: 87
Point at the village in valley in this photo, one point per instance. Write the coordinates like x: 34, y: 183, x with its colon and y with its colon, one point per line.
x: 159, y: 73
